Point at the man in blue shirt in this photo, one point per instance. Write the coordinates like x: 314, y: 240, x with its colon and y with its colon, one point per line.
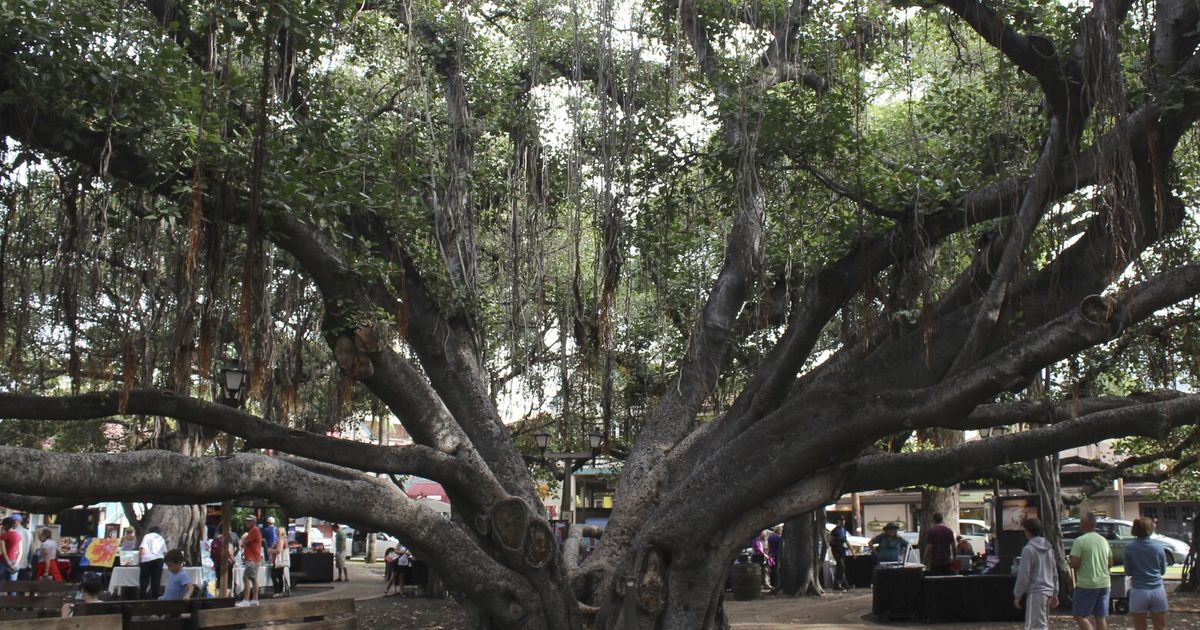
x: 179, y: 583
x: 839, y: 548
x: 889, y: 546
x: 269, y: 534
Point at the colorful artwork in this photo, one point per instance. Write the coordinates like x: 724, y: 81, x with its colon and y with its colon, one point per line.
x: 101, y: 552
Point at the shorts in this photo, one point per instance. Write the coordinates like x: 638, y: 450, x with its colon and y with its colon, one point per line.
x: 339, y: 560
x: 1148, y: 600
x: 1090, y: 602
x: 251, y: 571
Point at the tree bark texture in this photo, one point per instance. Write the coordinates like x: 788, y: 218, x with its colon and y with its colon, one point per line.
x: 801, y: 560
x: 694, y: 490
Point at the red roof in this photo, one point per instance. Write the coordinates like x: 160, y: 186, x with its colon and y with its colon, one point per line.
x: 426, y: 489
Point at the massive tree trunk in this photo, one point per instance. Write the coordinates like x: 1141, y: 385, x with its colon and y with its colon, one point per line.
x: 408, y: 328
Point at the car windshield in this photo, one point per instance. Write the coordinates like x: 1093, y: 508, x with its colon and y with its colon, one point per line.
x: 1070, y: 530
x: 1123, y: 530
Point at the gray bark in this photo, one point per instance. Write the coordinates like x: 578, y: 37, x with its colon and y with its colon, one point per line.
x: 802, y: 555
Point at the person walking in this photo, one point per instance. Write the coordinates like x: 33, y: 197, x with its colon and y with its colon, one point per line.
x: 1091, y: 559
x: 839, y: 548
x: 151, y: 552
x: 252, y: 557
x: 939, y: 547
x: 1145, y: 564
x: 1037, y: 578
x: 340, y: 551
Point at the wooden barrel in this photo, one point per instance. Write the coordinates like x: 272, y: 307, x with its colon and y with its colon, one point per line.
x: 747, y: 581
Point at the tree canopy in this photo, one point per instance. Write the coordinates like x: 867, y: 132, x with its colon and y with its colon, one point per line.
x: 755, y: 245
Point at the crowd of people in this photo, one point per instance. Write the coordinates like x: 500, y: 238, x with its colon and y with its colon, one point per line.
x: 24, y: 557
x: 1037, y: 587
x: 1091, y: 559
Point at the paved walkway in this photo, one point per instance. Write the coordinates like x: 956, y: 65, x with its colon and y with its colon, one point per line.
x: 366, y: 582
x: 786, y: 613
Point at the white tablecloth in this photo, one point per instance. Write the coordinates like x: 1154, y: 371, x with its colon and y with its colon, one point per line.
x: 130, y: 576
x: 264, y: 577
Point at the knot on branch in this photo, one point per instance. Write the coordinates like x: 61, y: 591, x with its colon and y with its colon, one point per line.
x: 1042, y: 46
x: 1096, y: 309
x: 652, y: 585
x: 521, y: 535
x: 353, y: 351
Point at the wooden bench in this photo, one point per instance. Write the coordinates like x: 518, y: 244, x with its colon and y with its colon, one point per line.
x: 155, y: 614
x: 30, y: 599
x: 102, y: 622
x: 321, y: 614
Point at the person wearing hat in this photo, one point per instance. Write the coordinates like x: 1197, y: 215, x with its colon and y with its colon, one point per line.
x: 269, y: 534
x: 252, y: 557
x: 889, y: 546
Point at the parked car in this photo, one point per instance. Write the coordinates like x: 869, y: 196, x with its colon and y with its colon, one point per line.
x: 975, y: 532
x: 1120, y: 533
x: 383, y: 542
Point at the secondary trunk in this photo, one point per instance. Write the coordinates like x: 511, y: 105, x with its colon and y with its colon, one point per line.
x: 802, y: 554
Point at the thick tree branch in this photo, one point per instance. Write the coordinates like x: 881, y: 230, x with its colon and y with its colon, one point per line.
x: 171, y: 478
x: 466, y: 478
x: 949, y: 466
x: 1096, y: 320
x: 1033, y: 54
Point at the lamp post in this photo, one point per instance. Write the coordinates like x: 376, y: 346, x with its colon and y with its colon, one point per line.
x: 232, y: 382
x: 568, y: 460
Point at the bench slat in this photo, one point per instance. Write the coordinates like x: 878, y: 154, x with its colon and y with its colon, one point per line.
x: 103, y: 622
x: 40, y: 586
x: 30, y: 601
x: 275, y: 611
x: 19, y: 614
x: 345, y: 623
x: 144, y: 607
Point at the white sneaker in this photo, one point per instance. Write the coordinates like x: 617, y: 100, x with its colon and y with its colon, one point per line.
x: 253, y: 602
x: 242, y: 604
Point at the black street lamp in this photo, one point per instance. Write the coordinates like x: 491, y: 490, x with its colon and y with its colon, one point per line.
x: 594, y: 439
x: 233, y: 383
x: 542, y: 439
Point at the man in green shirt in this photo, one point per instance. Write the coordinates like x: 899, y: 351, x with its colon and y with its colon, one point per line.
x: 1091, y: 559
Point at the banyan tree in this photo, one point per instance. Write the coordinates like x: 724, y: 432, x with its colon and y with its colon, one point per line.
x: 772, y: 251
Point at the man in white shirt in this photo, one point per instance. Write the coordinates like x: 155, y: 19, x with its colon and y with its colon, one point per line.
x: 24, y: 565
x: 150, y: 559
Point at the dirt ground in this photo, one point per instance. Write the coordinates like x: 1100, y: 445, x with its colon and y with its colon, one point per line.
x: 835, y: 611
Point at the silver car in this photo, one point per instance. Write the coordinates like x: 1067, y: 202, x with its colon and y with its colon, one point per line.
x: 1120, y: 533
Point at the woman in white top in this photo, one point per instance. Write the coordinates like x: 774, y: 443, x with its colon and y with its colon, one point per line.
x: 48, y: 560
x: 150, y: 557
x: 282, y: 561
